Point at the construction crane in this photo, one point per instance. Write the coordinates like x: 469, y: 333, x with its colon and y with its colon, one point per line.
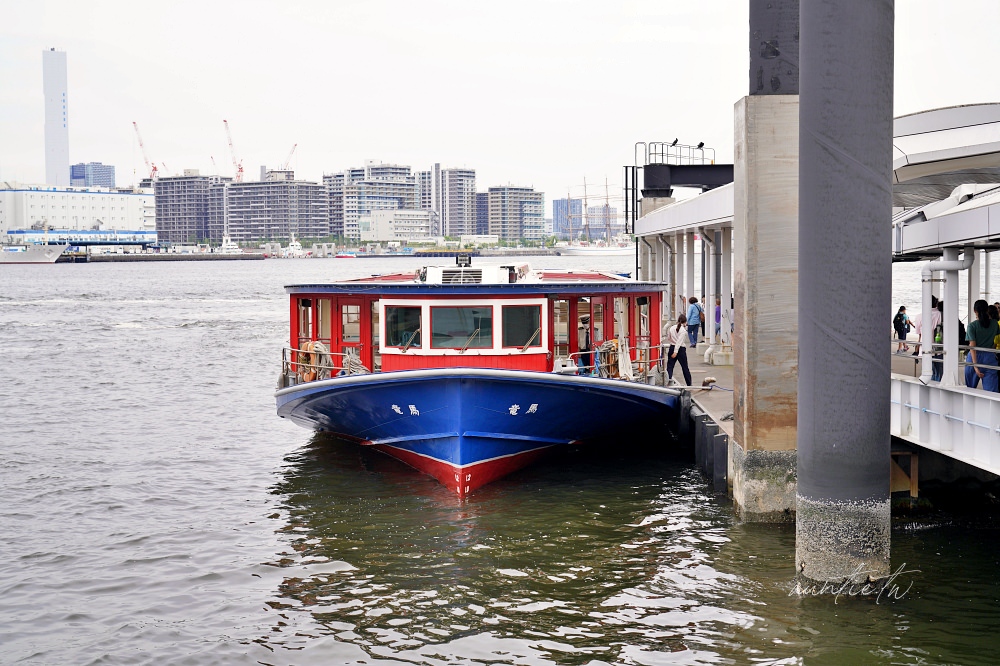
x: 237, y: 164
x: 284, y: 167
x: 149, y: 166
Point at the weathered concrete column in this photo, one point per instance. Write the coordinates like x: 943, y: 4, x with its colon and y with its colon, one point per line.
x: 765, y: 239
x: 845, y: 204
x: 727, y: 288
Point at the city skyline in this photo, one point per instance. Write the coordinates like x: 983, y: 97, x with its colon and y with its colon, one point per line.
x: 178, y: 79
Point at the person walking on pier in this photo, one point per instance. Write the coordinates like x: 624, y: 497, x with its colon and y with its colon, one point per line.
x: 901, y: 324
x: 676, y: 353
x: 695, y: 315
x: 981, y: 334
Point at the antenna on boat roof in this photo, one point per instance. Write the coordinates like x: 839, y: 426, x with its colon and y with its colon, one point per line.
x: 463, y: 260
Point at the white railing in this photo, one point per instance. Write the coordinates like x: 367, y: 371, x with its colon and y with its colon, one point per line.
x: 957, y: 421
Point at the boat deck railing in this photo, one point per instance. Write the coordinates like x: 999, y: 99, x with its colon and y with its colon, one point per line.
x: 315, y: 362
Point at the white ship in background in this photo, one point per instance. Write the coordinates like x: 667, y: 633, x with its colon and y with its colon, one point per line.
x: 620, y: 245
x: 31, y: 254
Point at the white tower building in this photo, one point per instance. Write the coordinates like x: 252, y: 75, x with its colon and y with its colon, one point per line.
x: 56, y: 125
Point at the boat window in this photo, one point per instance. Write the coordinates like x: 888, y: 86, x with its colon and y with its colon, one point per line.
x: 560, y: 325
x: 641, y: 322
x: 325, y: 318
x: 351, y: 323
x: 402, y: 326
x: 305, y: 320
x: 598, y: 321
x: 621, y: 317
x: 522, y: 325
x: 462, y: 327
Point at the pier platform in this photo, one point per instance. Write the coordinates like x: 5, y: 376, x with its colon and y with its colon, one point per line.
x: 169, y: 256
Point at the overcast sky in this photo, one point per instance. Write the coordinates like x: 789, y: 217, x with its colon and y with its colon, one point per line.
x: 542, y: 93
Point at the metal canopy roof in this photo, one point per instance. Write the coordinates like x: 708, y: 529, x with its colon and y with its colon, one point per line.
x: 934, y: 152
x: 969, y: 217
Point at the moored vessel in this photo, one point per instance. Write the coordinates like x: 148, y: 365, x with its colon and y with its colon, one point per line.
x: 470, y: 373
x: 31, y: 254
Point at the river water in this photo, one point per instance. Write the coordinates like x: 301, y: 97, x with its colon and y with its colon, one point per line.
x: 156, y: 511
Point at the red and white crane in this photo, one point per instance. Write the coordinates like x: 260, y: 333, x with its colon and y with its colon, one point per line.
x: 237, y: 164
x: 149, y: 165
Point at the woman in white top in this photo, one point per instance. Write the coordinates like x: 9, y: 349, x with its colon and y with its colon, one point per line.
x: 676, y: 336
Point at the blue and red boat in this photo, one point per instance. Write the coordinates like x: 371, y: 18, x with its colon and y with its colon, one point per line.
x: 470, y: 373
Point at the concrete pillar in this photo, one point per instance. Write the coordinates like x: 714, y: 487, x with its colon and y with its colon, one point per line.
x: 727, y: 287
x: 765, y: 343
x: 845, y: 203
x: 765, y: 268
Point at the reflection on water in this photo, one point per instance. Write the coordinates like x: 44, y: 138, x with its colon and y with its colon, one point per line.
x: 565, y: 562
x: 578, y: 560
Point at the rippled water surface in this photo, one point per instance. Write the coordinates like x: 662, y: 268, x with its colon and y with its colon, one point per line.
x: 156, y: 511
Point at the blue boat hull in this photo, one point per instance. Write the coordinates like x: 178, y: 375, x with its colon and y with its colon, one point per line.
x: 467, y: 427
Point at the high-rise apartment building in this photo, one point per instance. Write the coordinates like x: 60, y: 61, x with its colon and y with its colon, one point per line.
x: 429, y: 184
x: 567, y: 217
x: 482, y: 213
x: 182, y: 206
x: 458, y: 202
x: 517, y: 213
x: 357, y: 192
x: 56, y: 118
x: 274, y: 208
x: 92, y: 174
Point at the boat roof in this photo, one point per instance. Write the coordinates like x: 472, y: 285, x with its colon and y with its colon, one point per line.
x: 507, y: 279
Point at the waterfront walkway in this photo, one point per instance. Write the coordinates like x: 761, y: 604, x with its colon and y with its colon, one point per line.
x: 717, y: 402
x: 956, y: 421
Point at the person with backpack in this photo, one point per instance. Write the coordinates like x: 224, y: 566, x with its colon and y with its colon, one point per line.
x: 901, y: 324
x: 695, y: 317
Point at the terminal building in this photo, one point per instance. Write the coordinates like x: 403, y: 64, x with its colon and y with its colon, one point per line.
x: 75, y: 214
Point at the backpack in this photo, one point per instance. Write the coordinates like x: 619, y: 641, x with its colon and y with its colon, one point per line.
x: 701, y: 314
x: 897, y: 321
